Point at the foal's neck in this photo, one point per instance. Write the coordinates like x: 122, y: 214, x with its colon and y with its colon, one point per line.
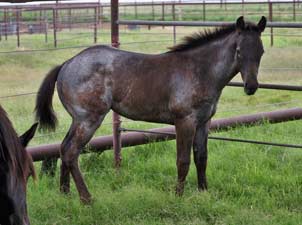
x: 219, y: 58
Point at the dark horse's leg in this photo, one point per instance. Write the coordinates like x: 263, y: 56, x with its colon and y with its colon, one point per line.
x: 201, y: 154
x: 78, y: 136
x: 49, y: 167
x: 185, y: 130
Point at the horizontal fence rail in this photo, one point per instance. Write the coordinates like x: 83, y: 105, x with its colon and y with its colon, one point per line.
x: 270, y: 86
x: 220, y: 138
x: 203, y: 23
x: 103, y: 143
x: 154, y: 3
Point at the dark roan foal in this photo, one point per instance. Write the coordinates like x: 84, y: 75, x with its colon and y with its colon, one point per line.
x: 15, y: 168
x: 179, y: 87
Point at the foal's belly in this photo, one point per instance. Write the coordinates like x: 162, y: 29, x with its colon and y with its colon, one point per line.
x: 145, y: 112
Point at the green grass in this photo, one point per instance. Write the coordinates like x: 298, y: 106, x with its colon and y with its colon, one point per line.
x: 248, y: 184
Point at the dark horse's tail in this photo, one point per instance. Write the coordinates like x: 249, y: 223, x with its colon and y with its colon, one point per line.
x: 44, y: 109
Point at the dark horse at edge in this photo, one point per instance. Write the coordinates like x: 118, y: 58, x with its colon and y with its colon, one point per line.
x: 179, y: 87
x: 15, y: 168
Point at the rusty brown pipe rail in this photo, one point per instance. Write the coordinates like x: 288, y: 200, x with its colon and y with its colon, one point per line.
x: 103, y: 143
x: 247, y: 141
x: 203, y: 23
x: 270, y: 86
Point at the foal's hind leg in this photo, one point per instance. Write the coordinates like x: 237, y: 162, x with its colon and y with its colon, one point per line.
x: 201, y: 154
x: 49, y: 167
x: 65, y: 173
x: 78, y: 136
x: 185, y: 130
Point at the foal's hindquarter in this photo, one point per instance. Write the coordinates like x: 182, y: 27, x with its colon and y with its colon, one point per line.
x: 180, y: 88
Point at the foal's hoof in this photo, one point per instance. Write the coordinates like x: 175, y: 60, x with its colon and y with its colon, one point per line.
x: 65, y: 189
x: 86, y: 200
x: 179, y: 189
x: 202, y: 188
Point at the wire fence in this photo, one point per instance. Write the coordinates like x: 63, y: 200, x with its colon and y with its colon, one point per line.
x: 58, y: 24
x: 52, y: 19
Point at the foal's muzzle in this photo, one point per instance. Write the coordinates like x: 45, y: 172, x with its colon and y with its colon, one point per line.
x: 250, y: 88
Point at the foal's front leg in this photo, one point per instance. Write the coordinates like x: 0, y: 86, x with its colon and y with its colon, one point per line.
x: 185, y: 130
x: 201, y: 154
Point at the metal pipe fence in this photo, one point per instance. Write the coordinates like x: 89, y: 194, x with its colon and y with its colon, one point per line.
x: 174, y: 23
x: 47, y: 18
x: 270, y: 25
x: 139, y: 137
x: 219, y: 138
x: 203, y: 23
x: 127, y: 139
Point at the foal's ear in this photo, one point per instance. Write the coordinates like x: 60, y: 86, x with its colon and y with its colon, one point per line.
x: 262, y: 24
x: 240, y: 24
x: 28, y: 135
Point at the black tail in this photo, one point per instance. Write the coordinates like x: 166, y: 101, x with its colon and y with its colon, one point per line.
x: 44, y: 110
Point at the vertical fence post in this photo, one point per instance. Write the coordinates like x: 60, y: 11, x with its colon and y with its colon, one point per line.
x: 153, y: 13
x: 101, y: 12
x: 174, y: 27
x: 40, y: 21
x: 54, y: 23
x: 95, y: 24
x: 57, y: 14
x: 98, y: 13
x: 135, y: 9
x: 204, y: 10
x: 294, y: 10
x: 271, y: 20
x: 163, y: 12
x: 69, y: 19
x: 5, y: 23
x: 46, y: 26
x: 115, y: 117
x: 18, y: 26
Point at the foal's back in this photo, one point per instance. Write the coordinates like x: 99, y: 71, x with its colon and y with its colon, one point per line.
x: 137, y: 86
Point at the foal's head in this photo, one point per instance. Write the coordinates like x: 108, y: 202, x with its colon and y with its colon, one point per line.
x: 249, y: 51
x: 15, y: 168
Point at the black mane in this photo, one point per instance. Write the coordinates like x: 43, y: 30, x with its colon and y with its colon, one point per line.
x: 12, y: 154
x: 203, y: 37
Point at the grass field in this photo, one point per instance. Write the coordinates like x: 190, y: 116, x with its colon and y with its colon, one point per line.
x: 248, y: 184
